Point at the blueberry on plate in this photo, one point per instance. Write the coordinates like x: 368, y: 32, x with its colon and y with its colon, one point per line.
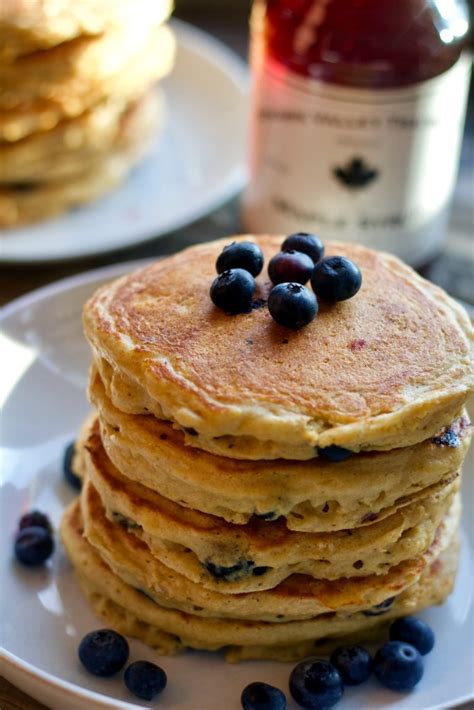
x: 398, y: 665
x: 69, y: 474
x: 145, y: 679
x: 290, y: 266
x: 309, y: 244
x: 354, y: 664
x: 232, y: 291
x: 35, y: 519
x: 33, y: 545
x: 103, y: 652
x: 241, y: 255
x: 315, y: 684
x: 261, y: 696
x: 336, y: 279
x: 292, y: 305
x: 414, y: 631
x: 334, y: 453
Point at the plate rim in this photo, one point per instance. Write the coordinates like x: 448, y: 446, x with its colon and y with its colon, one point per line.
x: 53, y: 683
x: 11, y: 663
x: 219, y: 54
x: 69, y: 282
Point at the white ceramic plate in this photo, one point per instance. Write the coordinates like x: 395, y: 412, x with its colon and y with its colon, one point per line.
x: 43, y: 614
x: 197, y: 164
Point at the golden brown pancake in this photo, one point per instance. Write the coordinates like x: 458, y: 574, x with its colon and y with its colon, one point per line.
x: 208, y: 517
x: 80, y: 69
x: 385, y: 369
x: 297, y: 597
x: 152, y: 63
x: 74, y: 146
x: 28, y: 202
x: 131, y: 612
x: 313, y: 496
x: 232, y: 559
x: 30, y: 25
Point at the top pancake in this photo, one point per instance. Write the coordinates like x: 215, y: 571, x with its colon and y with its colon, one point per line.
x: 385, y: 369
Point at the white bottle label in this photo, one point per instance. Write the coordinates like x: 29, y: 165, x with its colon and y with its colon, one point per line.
x: 372, y: 166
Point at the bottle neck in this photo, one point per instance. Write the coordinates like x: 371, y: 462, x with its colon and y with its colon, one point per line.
x: 371, y: 43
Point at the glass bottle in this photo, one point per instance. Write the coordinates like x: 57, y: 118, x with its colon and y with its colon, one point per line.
x: 357, y: 116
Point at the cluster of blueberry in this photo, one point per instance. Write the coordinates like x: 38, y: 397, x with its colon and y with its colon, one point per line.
x: 105, y: 652
x: 317, y: 684
x: 34, y: 542
x: 290, y: 303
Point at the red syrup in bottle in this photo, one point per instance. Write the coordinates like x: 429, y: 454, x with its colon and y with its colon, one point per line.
x: 356, y: 123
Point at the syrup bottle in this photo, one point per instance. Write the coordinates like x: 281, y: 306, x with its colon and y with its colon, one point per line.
x: 356, y: 123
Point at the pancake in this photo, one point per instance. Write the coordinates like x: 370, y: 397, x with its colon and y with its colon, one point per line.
x: 82, y: 68
x: 29, y: 202
x: 131, y: 612
x: 259, y: 555
x: 30, y: 25
x: 43, y: 114
x: 385, y: 369
x: 297, y: 597
x: 313, y: 496
x: 80, y: 454
x: 73, y: 147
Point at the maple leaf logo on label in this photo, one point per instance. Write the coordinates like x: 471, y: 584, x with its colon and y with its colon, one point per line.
x: 356, y: 173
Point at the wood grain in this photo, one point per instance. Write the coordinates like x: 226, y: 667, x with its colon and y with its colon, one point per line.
x: 13, y: 699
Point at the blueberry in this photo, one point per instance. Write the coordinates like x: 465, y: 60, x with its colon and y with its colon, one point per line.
x: 271, y: 515
x: 69, y: 474
x: 292, y: 305
x: 145, y: 679
x: 290, y: 266
x: 260, y: 571
x: 336, y: 279
x: 241, y: 255
x: 384, y: 606
x: 413, y: 631
x: 232, y: 291
x: 33, y: 545
x: 261, y: 696
x: 398, y: 665
x: 103, y: 652
x: 35, y: 519
x: 241, y: 569
x: 315, y: 684
x: 354, y: 664
x: 222, y: 572
x: 334, y: 453
x: 309, y: 244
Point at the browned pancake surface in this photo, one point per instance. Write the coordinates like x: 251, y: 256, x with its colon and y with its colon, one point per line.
x: 399, y: 345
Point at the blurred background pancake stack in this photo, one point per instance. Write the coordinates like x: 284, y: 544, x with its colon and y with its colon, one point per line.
x: 266, y: 491
x: 78, y: 101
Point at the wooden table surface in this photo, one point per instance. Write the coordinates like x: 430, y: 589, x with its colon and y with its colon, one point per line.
x: 453, y: 270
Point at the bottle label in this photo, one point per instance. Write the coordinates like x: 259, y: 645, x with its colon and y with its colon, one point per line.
x: 372, y: 166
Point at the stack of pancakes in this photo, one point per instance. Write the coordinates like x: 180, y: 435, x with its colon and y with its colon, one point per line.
x: 77, y: 107
x: 212, y: 515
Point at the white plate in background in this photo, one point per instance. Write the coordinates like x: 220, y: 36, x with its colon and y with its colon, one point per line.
x: 43, y: 614
x: 197, y: 164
